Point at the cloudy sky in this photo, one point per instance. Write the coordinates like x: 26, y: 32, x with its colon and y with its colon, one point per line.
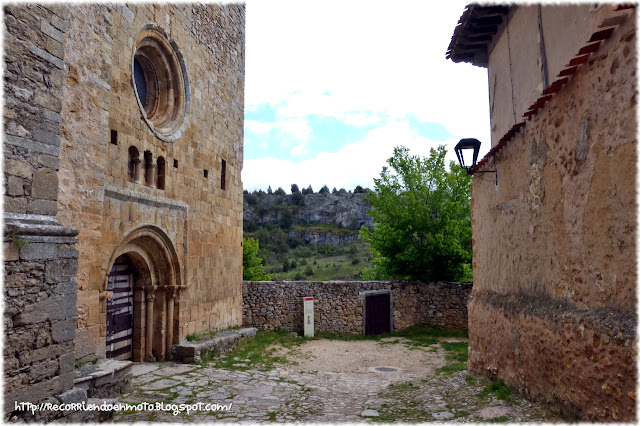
x: 333, y: 86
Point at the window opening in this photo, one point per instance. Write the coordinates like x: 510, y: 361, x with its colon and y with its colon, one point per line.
x: 114, y: 137
x: 223, y: 175
x: 134, y: 164
x: 160, y: 164
x: 206, y: 173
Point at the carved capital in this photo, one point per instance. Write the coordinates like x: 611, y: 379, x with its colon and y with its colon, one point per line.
x: 171, y: 292
x: 150, y: 294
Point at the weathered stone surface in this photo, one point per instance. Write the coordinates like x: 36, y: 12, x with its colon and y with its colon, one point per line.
x: 61, y: 270
x: 63, y: 331
x: 339, y: 305
x: 48, y: 207
x: 39, y: 251
x: 224, y: 341
x: 45, y: 184
x: 72, y: 395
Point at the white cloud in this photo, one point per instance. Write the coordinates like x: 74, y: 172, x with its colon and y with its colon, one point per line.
x: 355, y: 164
x: 258, y: 127
x: 359, y: 62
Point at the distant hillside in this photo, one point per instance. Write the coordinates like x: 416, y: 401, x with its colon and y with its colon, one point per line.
x: 348, y: 210
x: 309, y: 236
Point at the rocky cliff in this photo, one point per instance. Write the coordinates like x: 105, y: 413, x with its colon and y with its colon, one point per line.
x: 343, y: 210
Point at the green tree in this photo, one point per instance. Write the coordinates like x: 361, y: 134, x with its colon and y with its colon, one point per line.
x: 324, y: 190
x: 294, y: 188
x: 280, y: 191
x: 422, y: 219
x: 286, y: 220
x: 252, y: 269
x: 297, y: 199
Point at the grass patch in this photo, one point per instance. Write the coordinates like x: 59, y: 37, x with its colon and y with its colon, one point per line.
x: 258, y: 352
x: 398, y: 389
x: 452, y: 368
x: 456, y: 351
x: 497, y: 387
x: 471, y: 381
x: 193, y: 337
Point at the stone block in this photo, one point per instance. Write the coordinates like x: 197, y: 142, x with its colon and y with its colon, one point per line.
x: 39, y: 251
x: 62, y: 307
x: 63, y: 331
x: 15, y: 205
x: 43, y: 370
x: 18, y: 168
x: 46, y: 207
x: 47, y: 57
x: 15, y: 186
x: 11, y: 252
x: 45, y: 184
x: 73, y: 395
x: 67, y: 362
x: 67, y: 251
x: 61, y: 270
x: 55, y: 34
x: 32, y: 145
x: 46, y: 137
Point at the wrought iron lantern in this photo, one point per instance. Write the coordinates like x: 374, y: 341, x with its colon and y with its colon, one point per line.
x: 467, y: 152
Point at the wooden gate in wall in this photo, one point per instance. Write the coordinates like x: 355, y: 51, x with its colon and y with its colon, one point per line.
x: 377, y: 314
x: 120, y: 310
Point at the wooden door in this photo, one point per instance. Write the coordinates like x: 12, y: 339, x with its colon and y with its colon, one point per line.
x: 120, y: 310
x: 378, y: 314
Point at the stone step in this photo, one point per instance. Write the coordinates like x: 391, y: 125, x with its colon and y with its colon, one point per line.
x: 104, y: 379
x: 225, y: 341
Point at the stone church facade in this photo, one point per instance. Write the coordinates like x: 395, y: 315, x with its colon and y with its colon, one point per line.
x: 553, y: 306
x: 123, y: 148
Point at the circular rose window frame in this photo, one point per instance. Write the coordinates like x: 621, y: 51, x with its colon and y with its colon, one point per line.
x: 168, y: 94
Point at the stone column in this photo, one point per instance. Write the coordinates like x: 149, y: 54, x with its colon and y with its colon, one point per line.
x: 162, y: 294
x: 139, y: 324
x: 151, y: 297
x: 170, y: 294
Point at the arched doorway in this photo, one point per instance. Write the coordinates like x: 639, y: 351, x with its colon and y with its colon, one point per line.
x: 142, y: 287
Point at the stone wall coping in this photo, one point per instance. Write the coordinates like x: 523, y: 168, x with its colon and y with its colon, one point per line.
x: 34, y: 224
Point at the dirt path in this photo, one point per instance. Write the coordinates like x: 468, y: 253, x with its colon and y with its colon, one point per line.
x: 333, y: 381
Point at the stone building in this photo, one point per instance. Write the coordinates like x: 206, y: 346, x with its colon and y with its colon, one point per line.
x: 553, y: 306
x: 123, y: 133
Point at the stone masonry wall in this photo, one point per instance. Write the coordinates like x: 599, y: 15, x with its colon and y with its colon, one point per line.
x: 553, y: 308
x: 339, y: 305
x: 101, y: 121
x: 40, y: 258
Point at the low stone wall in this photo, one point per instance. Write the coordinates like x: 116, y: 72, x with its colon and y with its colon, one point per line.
x: 339, y: 305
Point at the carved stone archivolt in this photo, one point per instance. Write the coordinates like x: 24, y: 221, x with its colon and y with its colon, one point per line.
x: 156, y: 285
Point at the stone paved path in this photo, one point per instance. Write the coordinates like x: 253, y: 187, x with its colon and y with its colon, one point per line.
x: 338, y: 392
